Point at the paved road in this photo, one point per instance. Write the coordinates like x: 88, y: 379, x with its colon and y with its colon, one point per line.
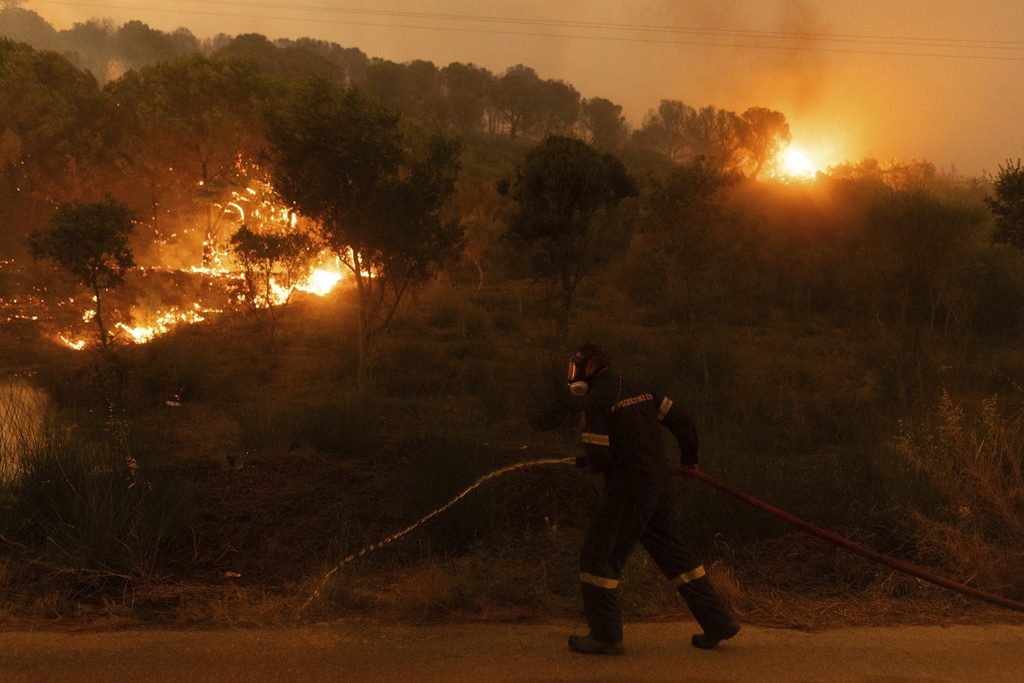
x: 495, y: 652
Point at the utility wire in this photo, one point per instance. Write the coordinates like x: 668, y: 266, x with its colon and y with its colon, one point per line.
x: 661, y: 28
x: 623, y: 39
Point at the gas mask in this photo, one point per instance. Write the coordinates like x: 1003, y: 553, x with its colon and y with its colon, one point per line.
x: 578, y: 382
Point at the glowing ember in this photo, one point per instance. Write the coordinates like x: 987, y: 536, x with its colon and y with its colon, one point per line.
x: 76, y: 344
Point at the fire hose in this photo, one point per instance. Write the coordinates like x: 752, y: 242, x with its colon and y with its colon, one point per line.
x: 847, y: 544
x: 803, y: 525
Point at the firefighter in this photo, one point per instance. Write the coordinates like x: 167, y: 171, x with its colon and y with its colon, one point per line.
x: 621, y: 435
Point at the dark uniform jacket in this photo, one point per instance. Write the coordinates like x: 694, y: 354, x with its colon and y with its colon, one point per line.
x: 622, y: 430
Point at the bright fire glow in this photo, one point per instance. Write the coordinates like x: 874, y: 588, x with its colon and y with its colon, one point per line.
x: 320, y: 282
x: 797, y: 165
x: 163, y: 322
x: 257, y: 206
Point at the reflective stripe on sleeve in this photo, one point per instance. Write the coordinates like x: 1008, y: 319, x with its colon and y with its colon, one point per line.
x: 666, y: 405
x: 594, y: 439
x: 687, y: 577
x: 599, y: 581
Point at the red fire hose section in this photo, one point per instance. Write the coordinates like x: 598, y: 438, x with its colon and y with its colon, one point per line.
x: 835, y: 539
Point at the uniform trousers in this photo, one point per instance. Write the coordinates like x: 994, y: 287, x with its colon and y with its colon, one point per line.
x: 644, y: 513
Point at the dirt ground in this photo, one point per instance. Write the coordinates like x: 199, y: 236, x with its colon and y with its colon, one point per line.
x: 365, y: 651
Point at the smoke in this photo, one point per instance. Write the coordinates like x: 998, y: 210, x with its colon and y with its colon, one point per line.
x: 778, y: 71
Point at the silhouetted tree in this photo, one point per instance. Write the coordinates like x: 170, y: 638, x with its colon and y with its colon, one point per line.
x: 138, y: 45
x: 468, y: 90
x: 386, y: 82
x: 518, y: 97
x: 559, y: 107
x: 666, y: 130
x: 604, y: 123
x: 560, y: 186
x: 683, y: 238
x: 26, y: 26
x: 764, y: 135
x: 423, y: 92
x: 919, y: 239
x: 272, y: 264
x: 341, y: 160
x: 1008, y: 204
x: 684, y: 134
x: 89, y: 241
x: 283, y: 62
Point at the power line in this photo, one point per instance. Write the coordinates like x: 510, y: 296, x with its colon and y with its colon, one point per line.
x: 533, y: 34
x: 801, y: 35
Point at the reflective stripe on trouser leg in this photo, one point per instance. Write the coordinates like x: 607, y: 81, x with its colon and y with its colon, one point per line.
x: 599, y: 581
x: 601, y: 607
x: 687, y: 577
x: 707, y: 608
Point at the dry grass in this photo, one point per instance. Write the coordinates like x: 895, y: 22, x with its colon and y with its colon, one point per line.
x: 976, y: 462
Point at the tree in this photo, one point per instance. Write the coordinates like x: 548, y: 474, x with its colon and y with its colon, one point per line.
x: 272, y: 264
x: 685, y: 236
x: 281, y: 63
x: 684, y: 134
x: 717, y: 136
x: 604, y: 123
x: 138, y: 45
x: 57, y: 137
x: 1008, y: 204
x: 192, y: 124
x: 89, y: 241
x: 919, y: 240
x: 560, y: 188
x: 560, y: 107
x: 339, y: 159
x: 518, y: 97
x: 665, y: 130
x: 467, y: 89
x: 765, y: 133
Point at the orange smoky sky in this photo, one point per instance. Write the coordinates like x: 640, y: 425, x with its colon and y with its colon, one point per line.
x: 941, y: 80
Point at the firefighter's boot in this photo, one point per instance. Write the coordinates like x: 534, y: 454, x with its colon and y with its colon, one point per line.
x: 708, y: 609
x: 589, y: 645
x: 709, y: 640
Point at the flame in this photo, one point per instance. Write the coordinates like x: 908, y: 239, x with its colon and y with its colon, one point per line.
x: 258, y: 206
x: 164, y: 322
x: 76, y: 344
x: 796, y: 165
x: 320, y: 282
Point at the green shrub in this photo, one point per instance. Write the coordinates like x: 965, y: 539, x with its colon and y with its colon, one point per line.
x: 94, y: 508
